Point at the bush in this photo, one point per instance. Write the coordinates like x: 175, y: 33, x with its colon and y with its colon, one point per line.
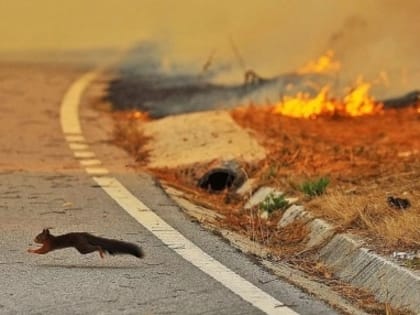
x: 274, y: 202
x: 315, y: 188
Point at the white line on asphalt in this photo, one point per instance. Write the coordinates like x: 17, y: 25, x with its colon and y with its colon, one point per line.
x: 90, y: 162
x: 96, y: 171
x: 69, y: 111
x: 78, y: 146
x: 73, y: 138
x: 83, y: 154
x: 158, y: 227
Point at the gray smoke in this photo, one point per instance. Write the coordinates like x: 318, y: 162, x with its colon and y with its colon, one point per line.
x: 274, y: 37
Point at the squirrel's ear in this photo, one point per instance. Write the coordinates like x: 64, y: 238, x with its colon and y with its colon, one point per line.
x: 46, y: 231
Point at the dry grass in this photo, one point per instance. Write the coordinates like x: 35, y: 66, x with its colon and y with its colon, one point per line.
x: 365, y: 209
x: 281, y: 241
x: 370, y: 213
x: 364, y: 170
x: 127, y: 135
x: 367, y: 159
x: 248, y: 222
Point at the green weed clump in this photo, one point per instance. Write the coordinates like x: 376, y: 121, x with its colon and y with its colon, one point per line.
x: 274, y: 202
x: 315, y: 188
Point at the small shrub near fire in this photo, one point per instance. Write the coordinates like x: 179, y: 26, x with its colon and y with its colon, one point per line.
x: 274, y: 202
x: 315, y: 188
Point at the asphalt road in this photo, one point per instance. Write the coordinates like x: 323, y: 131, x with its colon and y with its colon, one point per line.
x: 43, y: 185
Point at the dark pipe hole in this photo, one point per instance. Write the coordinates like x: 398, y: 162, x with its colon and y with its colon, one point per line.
x: 217, y: 180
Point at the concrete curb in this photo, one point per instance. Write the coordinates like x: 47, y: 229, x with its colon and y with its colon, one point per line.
x: 361, y: 267
x: 344, y: 254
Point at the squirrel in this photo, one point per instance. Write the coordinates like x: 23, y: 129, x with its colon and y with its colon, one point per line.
x: 85, y: 243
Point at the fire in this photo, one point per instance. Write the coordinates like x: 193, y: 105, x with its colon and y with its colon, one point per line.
x: 303, y: 106
x: 324, y: 64
x: 137, y: 115
x: 356, y: 102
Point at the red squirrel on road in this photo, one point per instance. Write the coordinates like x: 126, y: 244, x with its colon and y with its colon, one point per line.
x: 85, y: 243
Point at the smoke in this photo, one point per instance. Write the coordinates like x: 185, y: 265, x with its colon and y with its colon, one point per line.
x: 272, y: 36
x: 376, y: 39
x: 381, y: 40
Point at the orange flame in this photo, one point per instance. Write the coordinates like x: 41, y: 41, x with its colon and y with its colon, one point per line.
x: 303, y: 106
x: 324, y: 64
x: 137, y: 115
x: 356, y: 103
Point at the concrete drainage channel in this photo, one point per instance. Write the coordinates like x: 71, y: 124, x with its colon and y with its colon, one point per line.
x: 214, y: 136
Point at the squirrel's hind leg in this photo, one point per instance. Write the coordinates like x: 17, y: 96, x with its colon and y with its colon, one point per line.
x: 87, y: 248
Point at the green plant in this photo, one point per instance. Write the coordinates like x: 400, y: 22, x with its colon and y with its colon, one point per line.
x: 315, y: 188
x: 413, y: 264
x: 273, y: 202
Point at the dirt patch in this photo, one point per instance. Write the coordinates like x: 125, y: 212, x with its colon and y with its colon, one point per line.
x: 199, y: 137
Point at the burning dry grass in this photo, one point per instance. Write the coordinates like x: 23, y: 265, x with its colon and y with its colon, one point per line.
x: 357, y: 102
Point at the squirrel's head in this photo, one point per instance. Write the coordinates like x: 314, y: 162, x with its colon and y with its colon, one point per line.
x: 43, y: 236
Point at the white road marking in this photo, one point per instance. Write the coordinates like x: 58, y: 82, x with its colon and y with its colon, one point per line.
x: 77, y: 138
x: 84, y: 154
x: 158, y: 227
x: 78, y: 146
x: 69, y: 111
x: 90, y: 162
x: 96, y: 171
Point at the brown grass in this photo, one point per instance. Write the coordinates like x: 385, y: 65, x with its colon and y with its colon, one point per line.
x: 244, y: 221
x: 364, y: 170
x: 363, y: 208
x: 281, y: 241
x: 371, y: 214
x: 367, y: 159
x: 127, y: 135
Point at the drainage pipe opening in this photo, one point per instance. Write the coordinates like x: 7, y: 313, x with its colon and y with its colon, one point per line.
x: 229, y: 176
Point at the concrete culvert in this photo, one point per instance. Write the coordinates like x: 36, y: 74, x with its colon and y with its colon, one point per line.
x: 229, y: 175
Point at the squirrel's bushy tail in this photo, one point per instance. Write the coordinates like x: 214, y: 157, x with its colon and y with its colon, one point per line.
x: 115, y: 247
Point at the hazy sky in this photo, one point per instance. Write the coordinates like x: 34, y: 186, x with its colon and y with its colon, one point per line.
x: 53, y: 24
x: 272, y: 35
x: 63, y: 24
